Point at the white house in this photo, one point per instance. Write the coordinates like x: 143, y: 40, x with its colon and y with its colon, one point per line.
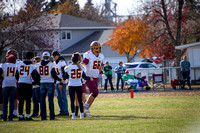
x: 193, y: 53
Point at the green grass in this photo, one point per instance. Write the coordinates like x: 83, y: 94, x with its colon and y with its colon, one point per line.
x: 141, y: 114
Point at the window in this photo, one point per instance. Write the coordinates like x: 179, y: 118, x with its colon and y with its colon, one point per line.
x: 66, y: 35
x: 131, y: 66
x: 143, y: 66
x: 151, y: 66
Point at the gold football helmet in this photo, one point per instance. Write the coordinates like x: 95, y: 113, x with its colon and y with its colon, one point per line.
x: 95, y: 47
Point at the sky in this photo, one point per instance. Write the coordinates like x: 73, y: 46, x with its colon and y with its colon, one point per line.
x: 124, y: 7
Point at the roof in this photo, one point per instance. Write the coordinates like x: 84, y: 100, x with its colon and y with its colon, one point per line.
x: 84, y: 45
x: 64, y: 21
x: 187, y: 45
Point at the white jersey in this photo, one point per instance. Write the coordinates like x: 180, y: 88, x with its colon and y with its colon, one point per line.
x: 45, y: 72
x: 58, y: 70
x: 9, y: 71
x: 25, y: 72
x: 75, y: 75
x: 92, y: 68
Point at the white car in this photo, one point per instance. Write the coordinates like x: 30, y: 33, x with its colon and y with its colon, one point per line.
x: 142, y: 68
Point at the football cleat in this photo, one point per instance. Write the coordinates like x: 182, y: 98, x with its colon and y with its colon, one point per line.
x: 81, y: 115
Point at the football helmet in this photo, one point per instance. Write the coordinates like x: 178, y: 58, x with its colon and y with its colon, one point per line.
x: 95, y: 47
x: 11, y: 52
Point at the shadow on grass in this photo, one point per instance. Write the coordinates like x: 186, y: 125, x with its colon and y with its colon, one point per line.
x: 96, y: 117
x: 115, y: 117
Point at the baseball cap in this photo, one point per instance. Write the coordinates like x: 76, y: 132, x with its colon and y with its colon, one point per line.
x: 45, y: 54
x: 126, y: 71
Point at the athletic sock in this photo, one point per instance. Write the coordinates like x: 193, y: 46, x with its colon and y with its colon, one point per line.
x: 76, y: 110
x: 28, y: 115
x: 21, y: 116
x: 2, y: 112
x: 15, y: 112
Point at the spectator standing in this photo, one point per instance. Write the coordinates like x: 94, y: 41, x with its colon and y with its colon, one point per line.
x: 8, y: 73
x: 120, y: 70
x: 185, y: 70
x: 61, y: 88
x: 108, y: 72
x: 47, y: 74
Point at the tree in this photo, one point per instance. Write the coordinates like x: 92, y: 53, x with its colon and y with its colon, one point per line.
x: 93, y: 13
x: 70, y: 7
x: 38, y: 4
x: 171, y: 18
x: 27, y: 30
x: 129, y: 38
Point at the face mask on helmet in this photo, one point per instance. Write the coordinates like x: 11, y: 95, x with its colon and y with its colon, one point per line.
x: 95, y: 47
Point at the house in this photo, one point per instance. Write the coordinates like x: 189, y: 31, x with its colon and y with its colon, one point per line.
x: 74, y: 34
x: 193, y: 54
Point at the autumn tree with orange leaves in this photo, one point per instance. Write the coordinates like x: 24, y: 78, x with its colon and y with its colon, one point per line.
x: 129, y: 38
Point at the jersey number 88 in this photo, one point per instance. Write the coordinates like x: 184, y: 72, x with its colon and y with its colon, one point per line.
x: 44, y: 70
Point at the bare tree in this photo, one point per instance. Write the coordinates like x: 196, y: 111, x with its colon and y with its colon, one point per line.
x: 170, y: 15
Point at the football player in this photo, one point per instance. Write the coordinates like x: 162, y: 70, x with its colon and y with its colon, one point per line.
x: 46, y: 70
x: 8, y: 73
x: 61, y: 88
x: 8, y: 53
x: 25, y: 74
x: 93, y: 62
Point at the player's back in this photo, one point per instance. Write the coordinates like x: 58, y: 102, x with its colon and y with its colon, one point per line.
x: 44, y: 69
x: 25, y: 69
x: 75, y: 75
x: 58, y: 68
x: 9, y: 71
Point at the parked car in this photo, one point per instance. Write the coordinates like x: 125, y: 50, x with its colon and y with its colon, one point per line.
x: 142, y: 68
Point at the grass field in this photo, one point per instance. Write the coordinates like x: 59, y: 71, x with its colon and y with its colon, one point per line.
x: 115, y: 113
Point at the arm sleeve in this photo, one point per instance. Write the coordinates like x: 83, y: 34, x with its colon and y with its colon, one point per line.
x: 63, y: 72
x: 36, y: 77
x: 104, y: 68
x: 116, y: 70
x: 17, y: 75
x: 66, y: 76
x: 85, y: 61
x: 1, y: 72
x: 53, y: 74
x: 85, y: 77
